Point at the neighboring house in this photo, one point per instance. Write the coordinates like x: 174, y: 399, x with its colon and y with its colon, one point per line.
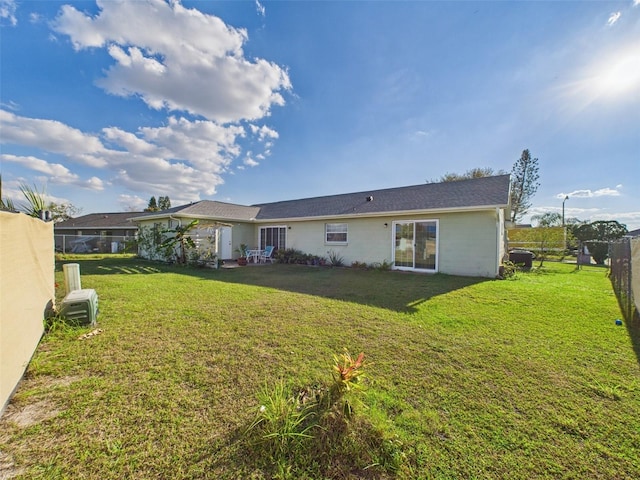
x: 452, y: 227
x: 100, y: 232
x: 633, y: 233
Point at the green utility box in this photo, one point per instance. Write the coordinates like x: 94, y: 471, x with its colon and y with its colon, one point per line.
x: 80, y: 306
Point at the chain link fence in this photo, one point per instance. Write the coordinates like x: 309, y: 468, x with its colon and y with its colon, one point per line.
x: 625, y: 261
x: 95, y: 244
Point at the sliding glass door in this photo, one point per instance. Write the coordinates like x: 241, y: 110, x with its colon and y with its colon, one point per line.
x: 273, y: 236
x: 416, y: 245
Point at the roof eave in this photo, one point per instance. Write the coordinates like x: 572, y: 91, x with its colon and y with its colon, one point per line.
x: 220, y: 220
x: 394, y: 213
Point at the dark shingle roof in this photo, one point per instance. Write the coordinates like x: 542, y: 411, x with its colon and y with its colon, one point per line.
x: 119, y: 220
x: 206, y: 209
x: 473, y: 193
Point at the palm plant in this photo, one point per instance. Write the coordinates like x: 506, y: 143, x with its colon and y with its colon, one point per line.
x: 6, y: 203
x: 35, y: 203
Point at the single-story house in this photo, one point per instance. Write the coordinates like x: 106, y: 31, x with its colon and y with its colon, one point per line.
x: 102, y: 232
x: 451, y: 227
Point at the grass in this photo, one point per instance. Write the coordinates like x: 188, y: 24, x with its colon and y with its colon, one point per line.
x: 469, y: 378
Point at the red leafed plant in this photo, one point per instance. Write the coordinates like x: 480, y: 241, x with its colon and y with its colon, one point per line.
x: 347, y: 376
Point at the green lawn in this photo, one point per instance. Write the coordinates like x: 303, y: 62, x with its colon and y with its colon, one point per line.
x: 468, y: 378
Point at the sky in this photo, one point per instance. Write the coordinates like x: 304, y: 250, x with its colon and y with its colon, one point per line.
x: 104, y: 104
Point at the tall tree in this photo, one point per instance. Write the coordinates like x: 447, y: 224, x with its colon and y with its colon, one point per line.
x: 472, y: 173
x: 524, y: 184
x: 164, y: 202
x: 153, y: 205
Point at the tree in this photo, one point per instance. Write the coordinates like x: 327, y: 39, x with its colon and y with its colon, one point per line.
x: 524, y: 184
x: 164, y: 203
x: 549, y: 219
x: 597, y: 235
x: 472, y: 173
x: 153, y: 205
x: 62, y: 211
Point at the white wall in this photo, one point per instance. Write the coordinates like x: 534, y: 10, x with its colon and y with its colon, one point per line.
x: 469, y: 243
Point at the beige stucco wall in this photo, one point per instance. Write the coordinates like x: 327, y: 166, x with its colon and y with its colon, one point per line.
x: 469, y: 243
x: 27, y: 290
x: 243, y: 233
x: 369, y: 240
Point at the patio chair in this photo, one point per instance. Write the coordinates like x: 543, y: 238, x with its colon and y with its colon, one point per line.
x: 267, y: 255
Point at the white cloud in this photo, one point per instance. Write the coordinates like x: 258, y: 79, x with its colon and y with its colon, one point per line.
x: 183, y: 159
x: 263, y: 132
x: 8, y: 12
x: 262, y: 12
x: 250, y: 162
x: 132, y: 203
x: 613, y: 18
x: 52, y: 136
x: 205, y: 144
x: 57, y: 173
x: 636, y: 3
x: 10, y: 105
x: 182, y: 60
x: 587, y: 193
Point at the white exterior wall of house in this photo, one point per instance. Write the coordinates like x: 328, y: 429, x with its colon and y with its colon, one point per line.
x: 368, y: 240
x: 246, y: 233
x: 470, y: 243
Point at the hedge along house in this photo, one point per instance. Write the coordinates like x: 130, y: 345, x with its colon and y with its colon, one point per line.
x: 452, y: 227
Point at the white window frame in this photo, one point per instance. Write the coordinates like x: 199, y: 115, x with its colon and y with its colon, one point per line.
x: 337, y: 228
x: 281, y: 229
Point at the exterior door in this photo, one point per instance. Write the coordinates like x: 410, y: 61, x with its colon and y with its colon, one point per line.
x: 416, y: 245
x: 225, y: 243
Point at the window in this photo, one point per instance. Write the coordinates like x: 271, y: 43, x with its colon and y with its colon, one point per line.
x: 273, y: 236
x: 336, y: 232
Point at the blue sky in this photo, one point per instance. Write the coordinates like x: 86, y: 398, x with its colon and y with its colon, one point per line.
x: 107, y: 103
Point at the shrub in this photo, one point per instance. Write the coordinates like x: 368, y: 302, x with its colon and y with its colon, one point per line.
x: 335, y: 259
x: 312, y: 432
x: 508, y: 270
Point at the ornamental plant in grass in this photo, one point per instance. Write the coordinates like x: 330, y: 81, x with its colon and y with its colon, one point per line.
x: 286, y: 422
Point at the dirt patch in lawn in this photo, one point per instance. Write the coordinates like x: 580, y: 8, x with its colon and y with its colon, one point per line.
x: 30, y: 414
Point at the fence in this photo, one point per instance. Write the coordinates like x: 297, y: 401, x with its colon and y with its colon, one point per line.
x: 27, y: 293
x: 539, y: 239
x: 94, y: 244
x: 625, y: 260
